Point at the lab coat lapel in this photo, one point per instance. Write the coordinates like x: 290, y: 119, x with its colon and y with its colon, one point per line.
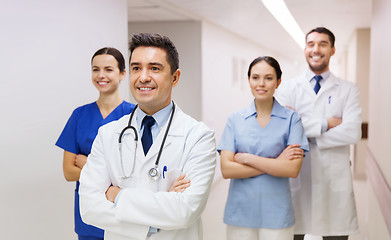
x: 176, y: 129
x: 155, y: 147
x: 307, y: 86
x: 330, y: 83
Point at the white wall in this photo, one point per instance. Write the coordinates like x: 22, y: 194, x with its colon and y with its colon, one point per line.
x: 377, y: 228
x: 357, y: 71
x: 380, y: 85
x: 45, y: 73
x: 380, y: 113
x: 363, y: 66
x: 186, y: 35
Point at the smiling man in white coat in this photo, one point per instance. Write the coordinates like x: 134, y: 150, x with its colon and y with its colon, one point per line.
x: 330, y: 109
x: 127, y: 189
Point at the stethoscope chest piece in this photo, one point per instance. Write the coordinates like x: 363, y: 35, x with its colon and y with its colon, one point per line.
x: 154, y: 173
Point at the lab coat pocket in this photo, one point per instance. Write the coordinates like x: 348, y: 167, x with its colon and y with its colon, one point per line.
x: 340, y: 176
x: 168, y: 178
x: 334, y: 107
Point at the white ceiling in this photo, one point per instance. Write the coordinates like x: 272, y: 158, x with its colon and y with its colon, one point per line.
x: 251, y: 20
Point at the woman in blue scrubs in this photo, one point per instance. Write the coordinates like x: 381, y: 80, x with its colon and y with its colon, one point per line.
x: 261, y: 148
x: 108, y: 70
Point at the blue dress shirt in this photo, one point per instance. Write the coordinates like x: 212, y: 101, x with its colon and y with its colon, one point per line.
x: 161, y: 118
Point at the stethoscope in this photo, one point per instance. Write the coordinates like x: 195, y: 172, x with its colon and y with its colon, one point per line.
x: 153, y: 173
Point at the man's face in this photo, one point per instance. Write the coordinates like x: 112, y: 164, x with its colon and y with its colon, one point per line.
x: 318, y: 51
x: 151, y: 80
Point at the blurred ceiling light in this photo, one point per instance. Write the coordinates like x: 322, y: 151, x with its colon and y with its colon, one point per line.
x: 281, y: 12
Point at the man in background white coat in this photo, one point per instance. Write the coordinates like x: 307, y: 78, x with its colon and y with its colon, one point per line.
x: 330, y: 109
x: 120, y: 191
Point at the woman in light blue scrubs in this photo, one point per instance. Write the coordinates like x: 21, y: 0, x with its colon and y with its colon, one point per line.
x: 108, y: 70
x: 261, y: 147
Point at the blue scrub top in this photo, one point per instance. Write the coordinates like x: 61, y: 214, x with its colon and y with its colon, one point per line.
x: 77, y: 137
x: 263, y: 201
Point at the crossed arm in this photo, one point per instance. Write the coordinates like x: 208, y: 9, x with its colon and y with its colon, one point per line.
x: 331, y: 122
x: 72, y: 165
x: 341, y: 131
x: 132, y: 216
x: 180, y: 185
x: 245, y: 165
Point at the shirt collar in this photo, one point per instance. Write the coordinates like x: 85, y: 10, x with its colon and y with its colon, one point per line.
x: 278, y: 110
x: 161, y: 117
x: 310, y: 75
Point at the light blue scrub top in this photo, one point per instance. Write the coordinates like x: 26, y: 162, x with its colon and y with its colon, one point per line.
x: 77, y: 137
x: 263, y: 201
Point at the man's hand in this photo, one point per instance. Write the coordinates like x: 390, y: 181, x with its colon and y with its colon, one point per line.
x: 333, y: 122
x: 80, y: 160
x: 180, y: 184
x: 291, y: 152
x: 112, y: 193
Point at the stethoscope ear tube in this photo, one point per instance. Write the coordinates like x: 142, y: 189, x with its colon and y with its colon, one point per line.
x: 124, y: 176
x: 154, y: 173
x: 165, y: 135
x: 123, y: 131
x: 129, y: 127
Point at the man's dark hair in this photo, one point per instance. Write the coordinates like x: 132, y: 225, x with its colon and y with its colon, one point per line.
x: 325, y: 31
x: 159, y: 41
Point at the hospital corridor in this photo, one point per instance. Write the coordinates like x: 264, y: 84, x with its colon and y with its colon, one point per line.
x: 47, y: 72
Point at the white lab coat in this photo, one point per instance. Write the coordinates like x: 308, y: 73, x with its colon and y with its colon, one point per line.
x: 189, y: 148
x: 322, y: 194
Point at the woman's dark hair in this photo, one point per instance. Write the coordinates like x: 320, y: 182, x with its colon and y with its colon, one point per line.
x: 113, y: 52
x: 159, y: 41
x: 269, y: 60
